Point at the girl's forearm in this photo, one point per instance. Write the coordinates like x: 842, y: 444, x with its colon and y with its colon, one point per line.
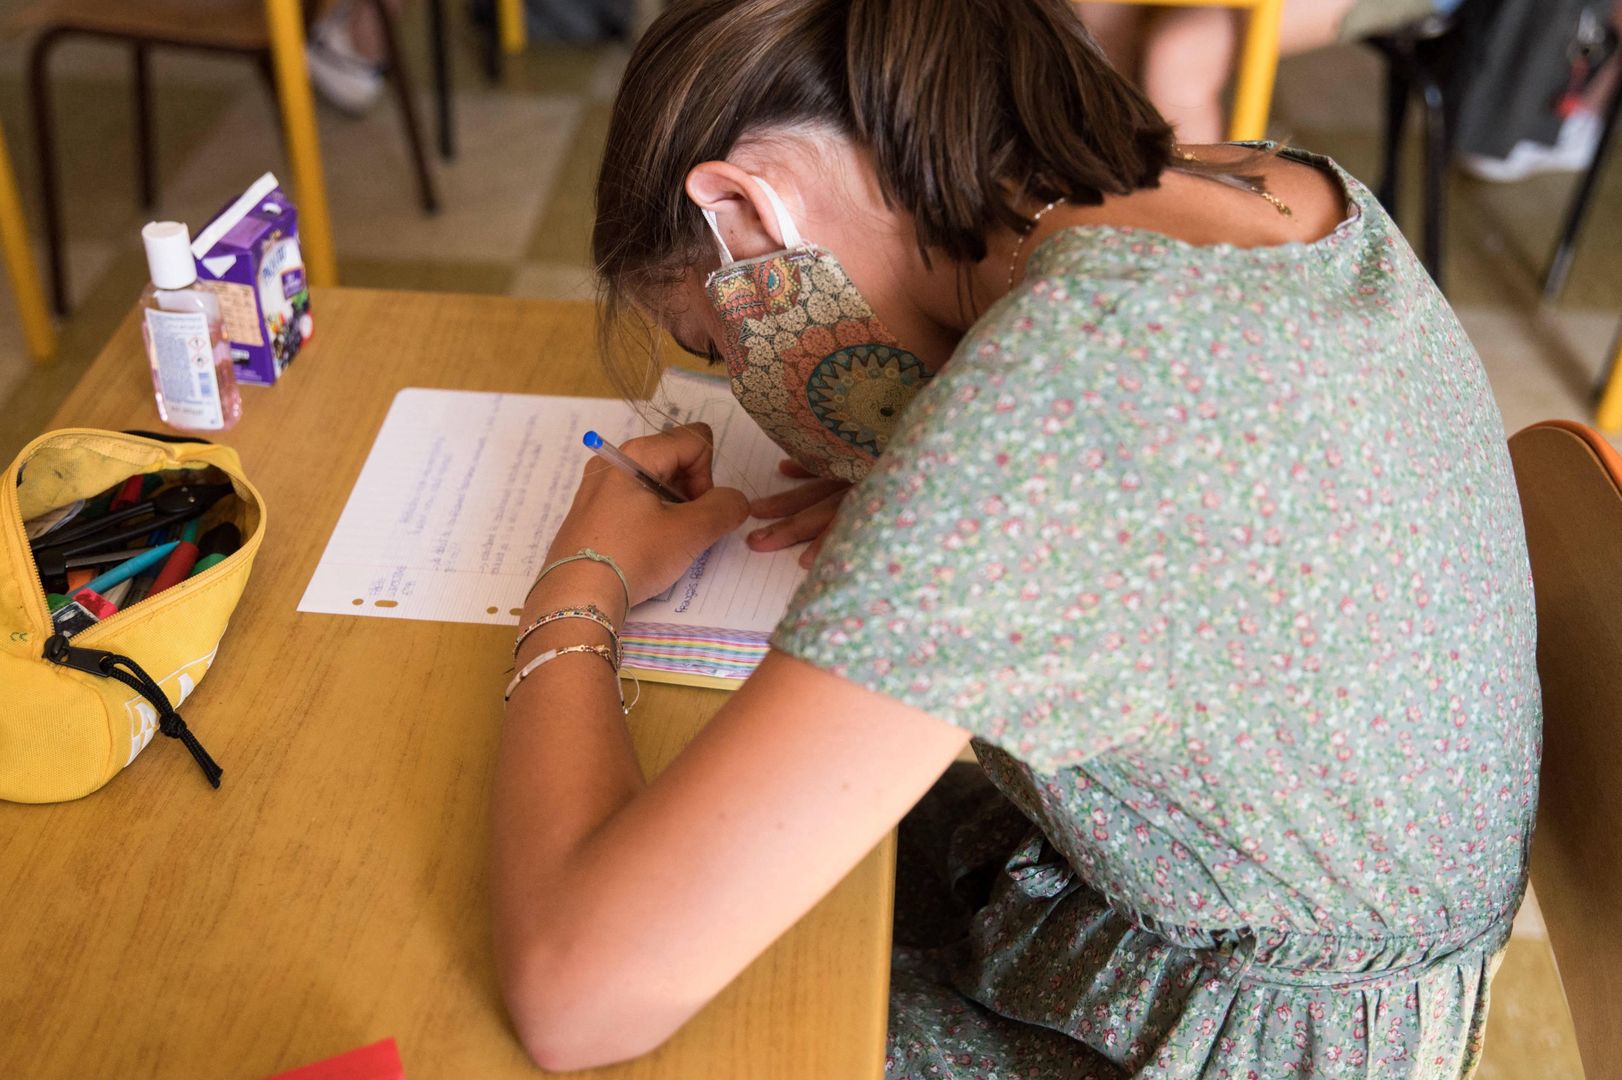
x: 566, y: 761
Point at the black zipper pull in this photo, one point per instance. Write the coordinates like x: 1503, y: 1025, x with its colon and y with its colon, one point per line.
x: 114, y: 666
x: 58, y: 651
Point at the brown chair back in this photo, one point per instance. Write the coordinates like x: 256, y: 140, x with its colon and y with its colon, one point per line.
x: 1570, y: 481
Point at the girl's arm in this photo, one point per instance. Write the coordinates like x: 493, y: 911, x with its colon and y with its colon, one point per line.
x: 620, y: 907
x: 609, y: 943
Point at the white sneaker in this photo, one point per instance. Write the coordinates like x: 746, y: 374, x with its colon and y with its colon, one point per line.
x: 340, y: 74
x: 1573, y: 151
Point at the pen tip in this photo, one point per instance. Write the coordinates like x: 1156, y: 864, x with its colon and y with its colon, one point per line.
x: 592, y: 440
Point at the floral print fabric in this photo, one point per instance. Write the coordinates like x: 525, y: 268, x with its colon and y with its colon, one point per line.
x: 1218, y: 554
x: 810, y: 362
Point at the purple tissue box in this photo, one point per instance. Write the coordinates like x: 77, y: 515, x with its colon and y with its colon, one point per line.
x: 249, y: 257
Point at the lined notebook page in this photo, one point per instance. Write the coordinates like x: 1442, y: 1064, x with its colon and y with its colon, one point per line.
x: 462, y: 493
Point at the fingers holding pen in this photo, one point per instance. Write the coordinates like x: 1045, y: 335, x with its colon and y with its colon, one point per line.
x: 652, y: 505
x: 677, y: 464
x: 683, y: 457
x: 696, y: 445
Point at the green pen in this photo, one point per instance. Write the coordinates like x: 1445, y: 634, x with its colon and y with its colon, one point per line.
x: 216, y: 544
x: 207, y: 562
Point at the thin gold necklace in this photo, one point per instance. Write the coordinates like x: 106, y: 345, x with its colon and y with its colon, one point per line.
x: 1255, y: 189
x: 1036, y: 218
x: 1182, y: 155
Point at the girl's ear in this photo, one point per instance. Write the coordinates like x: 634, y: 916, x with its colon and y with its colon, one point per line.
x: 742, y: 211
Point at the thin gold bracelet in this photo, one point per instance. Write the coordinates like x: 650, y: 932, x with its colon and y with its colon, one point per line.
x: 552, y: 654
x: 599, y: 650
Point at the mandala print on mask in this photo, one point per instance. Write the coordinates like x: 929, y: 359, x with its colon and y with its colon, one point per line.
x: 811, y: 363
x: 858, y: 393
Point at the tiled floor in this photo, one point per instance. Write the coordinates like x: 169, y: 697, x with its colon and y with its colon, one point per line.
x: 517, y: 218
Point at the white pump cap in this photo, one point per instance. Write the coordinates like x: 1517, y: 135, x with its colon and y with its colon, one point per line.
x: 168, y: 254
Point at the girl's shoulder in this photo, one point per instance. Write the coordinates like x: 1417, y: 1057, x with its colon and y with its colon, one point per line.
x: 1343, y: 221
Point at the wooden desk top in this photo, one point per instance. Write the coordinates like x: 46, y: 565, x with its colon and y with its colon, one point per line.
x: 332, y: 892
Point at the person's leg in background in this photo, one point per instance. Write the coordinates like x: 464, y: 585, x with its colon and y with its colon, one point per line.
x: 1187, y: 61
x: 1187, y: 54
x: 347, y: 52
x: 366, y: 29
x: 1607, y: 80
x: 1511, y: 123
x: 1118, y: 29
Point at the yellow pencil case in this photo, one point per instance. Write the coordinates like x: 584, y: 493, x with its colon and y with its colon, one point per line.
x: 74, y: 711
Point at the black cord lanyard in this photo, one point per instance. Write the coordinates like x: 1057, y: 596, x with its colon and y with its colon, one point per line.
x: 114, y: 666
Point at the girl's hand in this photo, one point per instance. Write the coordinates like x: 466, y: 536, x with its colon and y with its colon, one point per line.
x: 806, y: 513
x: 654, y: 542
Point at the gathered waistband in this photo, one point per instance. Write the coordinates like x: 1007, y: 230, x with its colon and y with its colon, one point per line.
x: 1332, y: 961
x: 1265, y: 956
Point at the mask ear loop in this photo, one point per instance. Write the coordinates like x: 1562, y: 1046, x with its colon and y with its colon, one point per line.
x: 786, y: 228
x: 726, y: 253
x: 785, y: 222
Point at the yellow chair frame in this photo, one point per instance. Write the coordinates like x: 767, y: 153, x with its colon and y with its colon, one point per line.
x: 20, y: 265
x: 1608, y: 416
x: 510, y: 25
x: 1253, y: 95
x: 285, y: 18
x: 1258, y: 61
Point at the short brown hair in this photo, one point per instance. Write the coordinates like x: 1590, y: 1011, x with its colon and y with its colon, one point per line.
x: 969, y: 108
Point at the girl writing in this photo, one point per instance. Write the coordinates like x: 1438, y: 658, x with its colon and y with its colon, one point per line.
x: 1177, y: 488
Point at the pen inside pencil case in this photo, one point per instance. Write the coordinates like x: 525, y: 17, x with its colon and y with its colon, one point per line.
x: 160, y: 513
x: 173, y: 504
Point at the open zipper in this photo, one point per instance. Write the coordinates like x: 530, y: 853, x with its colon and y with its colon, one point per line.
x: 110, y: 665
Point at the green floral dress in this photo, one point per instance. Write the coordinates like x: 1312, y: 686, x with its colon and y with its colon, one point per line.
x: 1218, y: 555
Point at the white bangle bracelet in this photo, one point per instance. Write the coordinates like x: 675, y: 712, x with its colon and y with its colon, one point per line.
x: 552, y: 654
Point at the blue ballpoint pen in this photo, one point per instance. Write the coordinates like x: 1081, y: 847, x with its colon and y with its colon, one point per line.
x: 127, y: 569
x: 611, y: 454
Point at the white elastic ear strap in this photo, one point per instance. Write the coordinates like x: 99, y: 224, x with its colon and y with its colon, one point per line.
x: 726, y: 254
x: 785, y: 223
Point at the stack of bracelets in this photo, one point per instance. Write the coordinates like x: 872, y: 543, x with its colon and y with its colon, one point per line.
x: 614, y: 654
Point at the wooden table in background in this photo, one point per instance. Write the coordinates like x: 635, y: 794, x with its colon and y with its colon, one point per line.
x: 332, y: 892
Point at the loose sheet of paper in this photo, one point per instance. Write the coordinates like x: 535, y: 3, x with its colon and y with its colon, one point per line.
x: 462, y: 493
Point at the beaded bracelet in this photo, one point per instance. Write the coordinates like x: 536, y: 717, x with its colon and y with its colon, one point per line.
x: 589, y: 612
x: 552, y: 654
x: 594, y: 556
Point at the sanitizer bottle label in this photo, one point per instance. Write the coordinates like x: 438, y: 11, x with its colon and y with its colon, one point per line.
x: 183, y: 357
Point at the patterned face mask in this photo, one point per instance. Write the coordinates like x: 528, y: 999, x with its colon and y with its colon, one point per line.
x: 809, y: 360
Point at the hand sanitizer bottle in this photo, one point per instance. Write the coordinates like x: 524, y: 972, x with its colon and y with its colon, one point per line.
x: 192, y: 373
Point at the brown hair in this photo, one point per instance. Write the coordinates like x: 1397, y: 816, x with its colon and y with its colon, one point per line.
x: 970, y: 109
